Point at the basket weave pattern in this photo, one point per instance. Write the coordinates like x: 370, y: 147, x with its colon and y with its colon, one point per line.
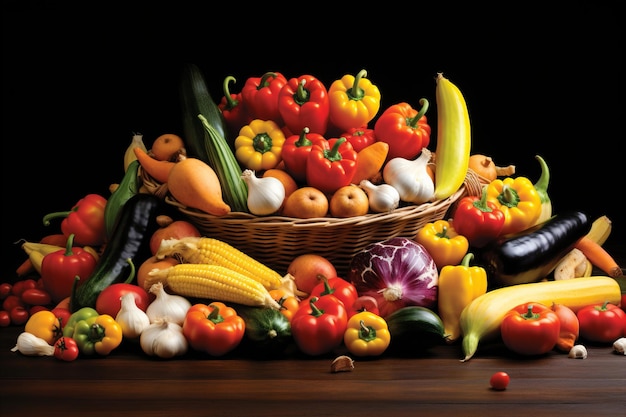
x: 277, y: 240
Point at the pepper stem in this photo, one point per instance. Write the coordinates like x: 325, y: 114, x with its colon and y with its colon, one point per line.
x: 413, y: 121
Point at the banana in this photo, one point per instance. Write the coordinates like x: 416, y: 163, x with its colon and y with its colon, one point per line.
x: 129, y: 155
x: 600, y: 230
x: 453, y: 139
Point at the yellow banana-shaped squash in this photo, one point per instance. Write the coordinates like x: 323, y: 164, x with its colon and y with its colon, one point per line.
x: 453, y: 139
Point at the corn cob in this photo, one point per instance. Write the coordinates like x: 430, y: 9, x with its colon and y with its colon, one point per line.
x: 213, y: 282
x: 205, y: 250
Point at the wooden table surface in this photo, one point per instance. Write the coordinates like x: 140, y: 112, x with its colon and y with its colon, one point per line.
x: 128, y: 382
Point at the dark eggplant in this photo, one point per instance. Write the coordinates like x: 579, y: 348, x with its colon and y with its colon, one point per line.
x: 532, y: 254
x: 130, y: 240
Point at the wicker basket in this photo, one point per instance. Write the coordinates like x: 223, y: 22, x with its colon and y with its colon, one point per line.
x: 277, y: 240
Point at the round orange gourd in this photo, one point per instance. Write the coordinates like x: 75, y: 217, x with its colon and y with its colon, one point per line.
x: 195, y: 184
x: 167, y: 146
x: 484, y: 166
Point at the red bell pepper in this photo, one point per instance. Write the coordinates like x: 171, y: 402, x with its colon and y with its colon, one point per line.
x: 60, y: 268
x: 233, y: 109
x: 319, y: 324
x: 405, y: 130
x: 360, y: 137
x: 530, y: 329
x: 601, y: 323
x: 478, y: 219
x: 85, y: 220
x: 344, y: 290
x: 303, y: 102
x: 215, y: 328
x: 260, y: 96
x: 295, y: 152
x: 330, y: 167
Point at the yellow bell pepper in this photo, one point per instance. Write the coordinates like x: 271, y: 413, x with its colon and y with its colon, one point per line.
x: 443, y: 243
x: 367, y: 334
x: 98, y: 334
x: 354, y: 101
x: 518, y: 199
x: 458, y: 286
x: 259, y: 145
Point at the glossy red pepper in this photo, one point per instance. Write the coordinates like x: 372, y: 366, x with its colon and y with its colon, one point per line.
x: 331, y: 167
x: 60, y: 268
x: 215, y: 328
x: 360, y: 137
x: 601, y: 323
x: 260, y: 96
x: 303, y: 102
x: 295, y: 152
x: 344, y: 290
x: 479, y: 220
x: 85, y: 220
x: 234, y: 111
x: 405, y: 130
x: 319, y: 325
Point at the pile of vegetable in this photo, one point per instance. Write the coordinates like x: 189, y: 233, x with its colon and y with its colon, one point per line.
x: 499, y: 265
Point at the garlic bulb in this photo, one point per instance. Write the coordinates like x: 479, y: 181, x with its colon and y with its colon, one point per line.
x: 410, y: 178
x: 131, y: 318
x: 164, y: 339
x: 30, y: 345
x: 620, y: 345
x: 168, y: 307
x: 382, y: 198
x: 265, y: 194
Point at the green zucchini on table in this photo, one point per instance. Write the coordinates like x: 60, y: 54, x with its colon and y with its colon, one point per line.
x: 129, y: 244
x: 414, y: 329
x: 268, y: 331
x: 532, y: 254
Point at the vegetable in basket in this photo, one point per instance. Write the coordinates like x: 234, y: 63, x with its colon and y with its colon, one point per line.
x: 303, y: 102
x: 331, y: 166
x: 259, y: 145
x: 354, y: 101
x: 397, y: 272
x: 260, y: 96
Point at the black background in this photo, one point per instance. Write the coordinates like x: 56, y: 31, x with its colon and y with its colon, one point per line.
x: 77, y: 84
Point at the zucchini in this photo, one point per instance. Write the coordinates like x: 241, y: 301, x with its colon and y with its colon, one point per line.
x: 414, y: 329
x: 532, y: 254
x: 128, y: 187
x: 129, y: 243
x: 204, y: 128
x: 268, y: 331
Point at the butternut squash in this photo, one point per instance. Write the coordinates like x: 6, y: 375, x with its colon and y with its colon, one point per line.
x: 195, y: 184
x: 370, y: 160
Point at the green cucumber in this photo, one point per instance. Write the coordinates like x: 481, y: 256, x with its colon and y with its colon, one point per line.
x: 414, y: 329
x: 268, y: 331
x: 129, y: 244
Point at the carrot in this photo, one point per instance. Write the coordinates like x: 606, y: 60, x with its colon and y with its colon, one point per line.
x: 598, y: 256
x: 370, y: 160
x: 159, y: 170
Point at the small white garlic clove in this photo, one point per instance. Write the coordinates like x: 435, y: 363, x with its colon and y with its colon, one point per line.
x: 342, y: 363
x: 382, y: 198
x: 620, y: 345
x: 578, y: 352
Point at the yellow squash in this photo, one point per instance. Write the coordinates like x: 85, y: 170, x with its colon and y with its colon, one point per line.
x: 453, y: 139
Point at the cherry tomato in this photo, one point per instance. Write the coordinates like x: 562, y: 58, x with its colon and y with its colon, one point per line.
x: 19, y: 315
x: 109, y: 300
x: 66, y: 349
x: 33, y: 309
x: 601, y: 323
x: 63, y: 314
x: 20, y: 286
x: 5, y: 318
x: 11, y: 302
x: 36, y: 297
x: 5, y: 290
x: 499, y: 381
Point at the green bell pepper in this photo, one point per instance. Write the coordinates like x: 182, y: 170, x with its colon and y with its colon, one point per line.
x: 98, y: 334
x: 81, y: 314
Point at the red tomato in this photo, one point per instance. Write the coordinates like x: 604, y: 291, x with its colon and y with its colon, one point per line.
x: 601, y: 323
x: 66, y: 349
x: 63, y: 314
x: 19, y: 315
x: 36, y: 297
x: 20, y: 286
x: 11, y: 302
x: 530, y: 329
x: 5, y: 290
x: 109, y: 301
x: 33, y: 309
x: 499, y: 381
x: 5, y: 318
